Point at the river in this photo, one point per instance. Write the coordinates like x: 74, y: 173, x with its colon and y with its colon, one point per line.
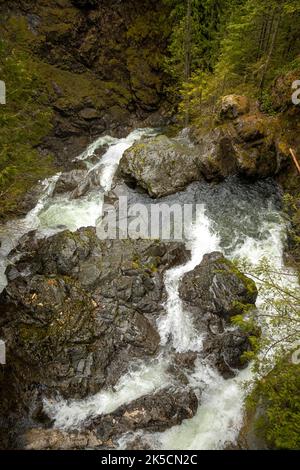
x: 238, y: 218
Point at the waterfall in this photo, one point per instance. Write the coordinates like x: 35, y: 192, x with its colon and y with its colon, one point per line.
x: 238, y: 219
x: 176, y: 323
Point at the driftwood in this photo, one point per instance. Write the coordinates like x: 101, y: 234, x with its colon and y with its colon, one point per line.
x: 295, y: 160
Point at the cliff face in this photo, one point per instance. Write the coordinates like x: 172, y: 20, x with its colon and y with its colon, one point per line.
x: 100, y: 62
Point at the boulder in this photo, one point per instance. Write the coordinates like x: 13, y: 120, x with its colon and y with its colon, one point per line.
x: 216, y: 286
x: 212, y: 293
x: 249, y: 146
x: 225, y: 350
x: 216, y: 154
x: 77, y: 303
x: 160, y: 165
x: 68, y: 181
x: 152, y: 413
x: 233, y: 106
x: 257, y: 151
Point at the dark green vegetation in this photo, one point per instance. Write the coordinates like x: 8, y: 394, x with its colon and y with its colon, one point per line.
x: 278, y: 394
x: 73, y: 70
x: 24, y: 121
x: 232, y: 46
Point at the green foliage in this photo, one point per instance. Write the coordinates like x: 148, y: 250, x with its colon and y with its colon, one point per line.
x: 207, y: 22
x: 279, y: 312
x: 267, y: 103
x: 276, y: 392
x: 278, y: 395
x: 252, y: 46
x: 24, y: 121
x: 292, y: 211
x: 204, y: 33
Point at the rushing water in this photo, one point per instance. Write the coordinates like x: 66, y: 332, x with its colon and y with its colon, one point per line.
x: 240, y: 219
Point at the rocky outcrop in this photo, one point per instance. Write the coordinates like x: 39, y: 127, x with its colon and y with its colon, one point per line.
x: 76, y: 311
x: 214, y: 292
x: 160, y: 165
x: 217, y: 287
x: 216, y: 155
x: 79, y: 182
x: 69, y: 181
x: 92, y: 89
x: 153, y: 413
x: 248, y: 145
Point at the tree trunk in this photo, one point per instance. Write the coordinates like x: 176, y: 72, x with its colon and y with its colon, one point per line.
x: 188, y: 55
x: 271, y: 49
x: 262, y: 36
x: 188, y: 41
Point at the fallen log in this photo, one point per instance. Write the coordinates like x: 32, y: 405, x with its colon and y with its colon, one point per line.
x: 295, y: 160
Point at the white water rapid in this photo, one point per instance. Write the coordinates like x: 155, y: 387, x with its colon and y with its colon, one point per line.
x: 239, y: 219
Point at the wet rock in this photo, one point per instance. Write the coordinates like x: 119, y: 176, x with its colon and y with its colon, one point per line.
x: 214, y: 292
x: 225, y: 351
x: 153, y: 413
x: 248, y: 146
x: 69, y: 181
x: 185, y: 360
x: 157, y: 164
x: 90, y: 182
x: 216, y: 154
x: 138, y: 443
x: 30, y: 199
x: 233, y: 106
x: 77, y: 311
x: 181, y: 365
x: 217, y: 287
x: 77, y: 301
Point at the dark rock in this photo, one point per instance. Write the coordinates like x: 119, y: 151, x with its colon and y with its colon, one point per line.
x: 98, y: 290
x: 69, y: 181
x: 181, y: 365
x: 153, y: 413
x: 247, y: 146
x: 217, y: 287
x: 77, y: 310
x: 225, y: 351
x: 30, y: 199
x: 216, y: 154
x: 214, y: 292
x: 88, y: 183
x: 250, y: 146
